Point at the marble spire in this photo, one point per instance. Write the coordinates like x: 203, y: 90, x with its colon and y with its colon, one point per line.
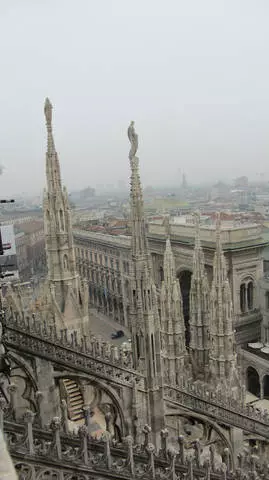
x: 199, y: 309
x: 68, y: 294
x: 223, y: 358
x: 172, y: 321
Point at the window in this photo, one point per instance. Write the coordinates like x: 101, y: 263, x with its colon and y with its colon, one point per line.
x: 61, y: 213
x: 250, y: 295
x: 246, y: 296
x: 153, y: 354
x: 161, y: 274
x: 267, y: 300
x: 137, y: 347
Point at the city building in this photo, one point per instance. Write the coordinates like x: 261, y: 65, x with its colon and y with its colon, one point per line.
x: 30, y: 244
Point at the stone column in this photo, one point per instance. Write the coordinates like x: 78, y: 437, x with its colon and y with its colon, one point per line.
x: 261, y: 386
x: 46, y: 384
x: 246, y: 298
x: 237, y: 442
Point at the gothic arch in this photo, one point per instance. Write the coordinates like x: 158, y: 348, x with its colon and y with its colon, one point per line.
x: 116, y: 401
x: 210, y: 423
x: 253, y: 381
x: 22, y: 375
x: 25, y: 366
x: 53, y: 474
x: 247, y: 292
x: 265, y: 382
x: 61, y: 219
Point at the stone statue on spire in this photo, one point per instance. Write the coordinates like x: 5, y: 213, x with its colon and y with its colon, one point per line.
x: 48, y: 111
x: 133, y: 138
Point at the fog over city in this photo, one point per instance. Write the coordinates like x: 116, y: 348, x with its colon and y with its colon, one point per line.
x: 193, y: 75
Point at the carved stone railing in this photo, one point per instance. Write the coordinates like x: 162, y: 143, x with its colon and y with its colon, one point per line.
x: 88, y: 354
x: 105, y: 238
x: 92, y: 356
x: 52, y: 453
x: 219, y: 406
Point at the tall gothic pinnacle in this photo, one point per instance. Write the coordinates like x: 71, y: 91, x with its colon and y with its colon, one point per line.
x: 220, y: 271
x: 139, y: 237
x: 48, y: 112
x: 198, y: 257
x: 169, y: 264
x: 52, y: 166
x: 199, y: 308
x: 197, y: 229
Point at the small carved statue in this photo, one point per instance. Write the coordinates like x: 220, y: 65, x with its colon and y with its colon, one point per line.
x: 48, y: 111
x: 133, y: 138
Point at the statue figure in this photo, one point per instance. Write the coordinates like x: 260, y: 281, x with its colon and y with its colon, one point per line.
x: 133, y: 138
x: 48, y: 111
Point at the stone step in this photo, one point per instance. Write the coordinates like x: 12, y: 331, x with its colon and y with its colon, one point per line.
x: 75, y: 399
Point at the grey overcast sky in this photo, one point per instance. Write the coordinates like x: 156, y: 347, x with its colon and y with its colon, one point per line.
x: 193, y: 74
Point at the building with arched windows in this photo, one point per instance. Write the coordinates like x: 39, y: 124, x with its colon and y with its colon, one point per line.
x: 102, y: 258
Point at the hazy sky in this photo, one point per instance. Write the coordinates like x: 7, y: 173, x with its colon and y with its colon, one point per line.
x: 193, y: 74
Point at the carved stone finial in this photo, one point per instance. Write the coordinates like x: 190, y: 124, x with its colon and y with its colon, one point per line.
x: 133, y: 138
x: 29, y: 416
x: 12, y: 388
x: 48, y: 112
x: 55, y: 423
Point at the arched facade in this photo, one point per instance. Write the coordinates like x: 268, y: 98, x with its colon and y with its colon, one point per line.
x: 80, y: 392
x: 253, y: 381
x: 247, y: 293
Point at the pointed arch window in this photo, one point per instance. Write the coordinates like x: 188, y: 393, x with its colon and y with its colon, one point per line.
x: 267, y: 300
x: 247, y: 295
x: 250, y: 295
x: 61, y: 214
x: 137, y: 347
x: 153, y: 353
x: 243, y: 298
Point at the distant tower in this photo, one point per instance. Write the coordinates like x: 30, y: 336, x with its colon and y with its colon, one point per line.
x: 199, y: 310
x: 68, y: 294
x: 184, y: 181
x: 172, y: 321
x: 222, y: 356
x: 144, y: 316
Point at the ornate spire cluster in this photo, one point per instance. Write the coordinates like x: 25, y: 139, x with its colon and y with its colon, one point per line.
x: 159, y: 344
x: 199, y: 309
x: 172, y: 320
x: 223, y: 360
